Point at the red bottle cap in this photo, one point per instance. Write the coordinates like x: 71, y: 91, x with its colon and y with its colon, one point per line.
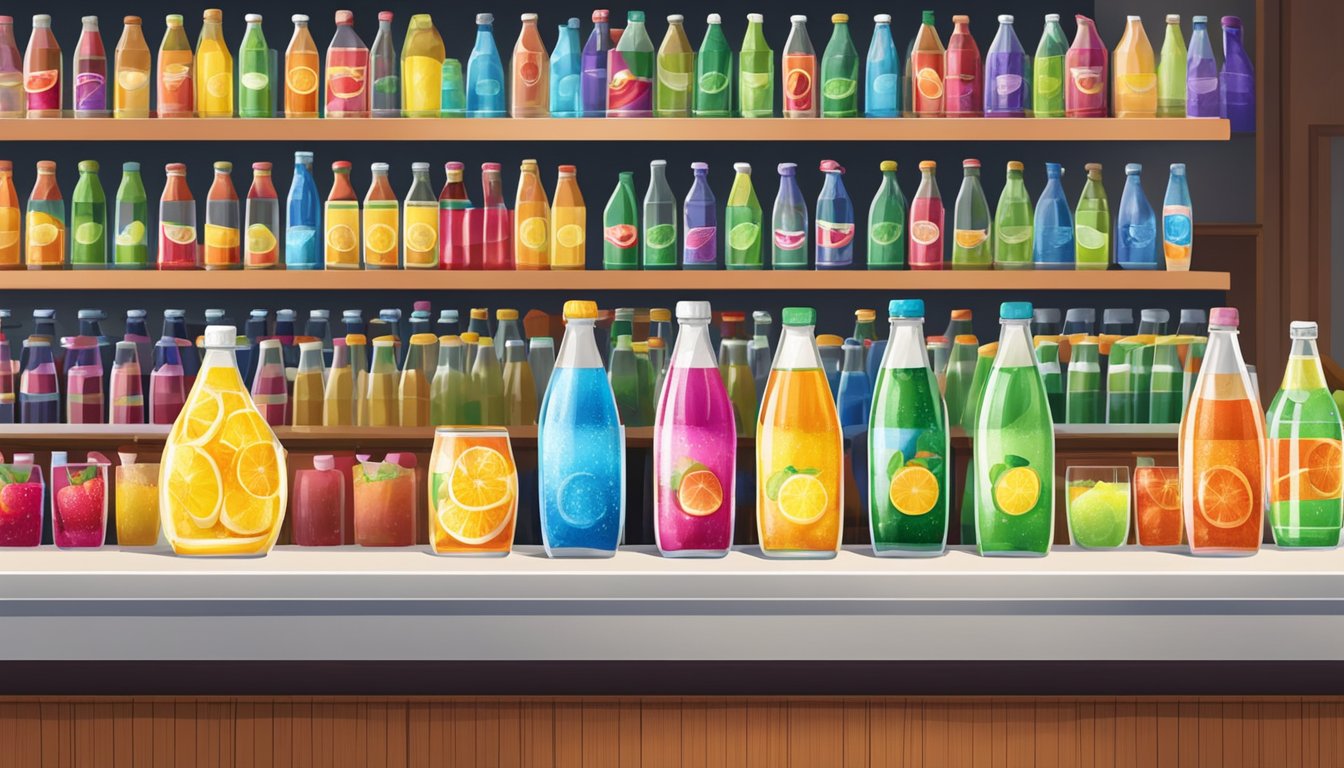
x: 176, y: 168
x: 453, y: 166
x: 341, y: 166
x: 6, y: 19
x: 828, y: 166
x: 261, y: 166
x: 6, y: 165
x: 568, y: 169
x: 601, y: 15
x: 1225, y: 316
x: 384, y: 15
x: 490, y: 167
x: 970, y: 163
x: 345, y: 18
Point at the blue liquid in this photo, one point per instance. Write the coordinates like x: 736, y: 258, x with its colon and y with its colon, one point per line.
x: 1136, y: 227
x: 566, y: 73
x: 301, y: 224
x: 1053, y: 246
x: 485, y: 76
x: 834, y: 209
x: 581, y: 460
x: 882, y: 78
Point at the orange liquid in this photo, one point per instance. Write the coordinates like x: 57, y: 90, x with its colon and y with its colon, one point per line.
x: 1157, y: 506
x: 490, y: 530
x: 302, y: 83
x: 798, y: 428
x: 1222, y: 472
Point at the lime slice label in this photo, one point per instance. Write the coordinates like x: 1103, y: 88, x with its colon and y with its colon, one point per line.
x: 744, y: 236
x: 660, y: 236
x: 886, y: 232
x: 713, y: 82
x: 838, y: 88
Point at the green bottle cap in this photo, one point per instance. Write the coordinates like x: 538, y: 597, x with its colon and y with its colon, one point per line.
x: 88, y: 166
x: 635, y: 17
x: 1015, y: 310
x: 928, y: 18
x: 800, y: 316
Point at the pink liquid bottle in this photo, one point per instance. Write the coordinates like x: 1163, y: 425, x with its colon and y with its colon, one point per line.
x: 694, y: 446
x: 1086, y: 72
x: 21, y: 495
x: 927, y: 221
x: 495, y: 221
x: 319, y: 504
x: 90, y: 72
x: 83, y: 381
x: 454, y: 240
x: 167, y: 384
x: 39, y: 384
x: 11, y: 71
x: 269, y: 388
x: 964, y: 80
x: 42, y: 68
x: 126, y: 394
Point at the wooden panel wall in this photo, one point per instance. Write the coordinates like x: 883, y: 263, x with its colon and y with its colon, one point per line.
x: 772, y: 733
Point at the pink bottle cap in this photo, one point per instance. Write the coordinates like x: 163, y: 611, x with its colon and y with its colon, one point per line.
x: 828, y: 166
x: 419, y: 305
x: 601, y: 15
x: 1225, y: 316
x: 384, y: 15
x: 324, y: 463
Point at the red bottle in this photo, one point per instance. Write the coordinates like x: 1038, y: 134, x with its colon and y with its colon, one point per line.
x: 927, y: 221
x: 965, y: 77
x: 177, y: 221
x: 494, y: 221
x: 454, y: 247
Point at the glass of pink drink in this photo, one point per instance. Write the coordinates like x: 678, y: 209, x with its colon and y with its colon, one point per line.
x: 78, y: 503
x: 694, y: 446
x: 21, y: 492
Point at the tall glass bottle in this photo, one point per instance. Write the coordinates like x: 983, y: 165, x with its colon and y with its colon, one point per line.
x: 386, y: 101
x: 964, y: 82
x: 840, y: 72
x: 1092, y: 224
x: 88, y: 220
x: 593, y: 61
x: 566, y: 73
x: 1052, y: 246
x: 1171, y: 75
x: 44, y: 243
x: 254, y: 72
x: 713, y: 73
x: 971, y: 243
x: 131, y: 97
x: 882, y: 72
x: 420, y: 221
x: 532, y: 220
x: 742, y: 221
x: 261, y: 249
x: 43, y: 71
x: 700, y: 222
x: 623, y: 374
x: 485, y: 72
x: 341, y: 238
x: 788, y: 222
x: 1007, y: 83
x: 520, y: 394
x: 11, y: 219
x: 835, y: 220
x: 676, y: 68
x: 496, y: 227
x: 301, y: 68
x: 1013, y: 221
x: 214, y: 69
x: 756, y: 71
x: 1014, y: 447
x: 1086, y: 65
x: 886, y: 222
x: 1236, y: 82
x: 454, y: 239
x: 422, y: 56
x: 90, y: 73
x: 569, y: 218
x: 381, y: 215
x: 12, y: 96
x: 801, y: 77
x: 448, y: 391
x: 1202, y: 92
x: 925, y: 70
x: 1048, y: 71
x: 303, y: 216
x: 630, y: 70
x: 177, y: 221
x: 347, y: 91
x: 1135, y: 225
x: 581, y: 448
x: 39, y: 384
x: 1135, y: 73
x: 927, y: 221
x: 306, y: 410
x: 659, y: 241
x: 1177, y: 221
x: 223, y: 222
x: 620, y: 226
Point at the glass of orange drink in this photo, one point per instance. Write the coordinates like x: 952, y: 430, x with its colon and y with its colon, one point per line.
x: 1157, y: 506
x: 473, y: 492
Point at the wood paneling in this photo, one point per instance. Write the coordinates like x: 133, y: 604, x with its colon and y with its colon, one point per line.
x: 594, y: 733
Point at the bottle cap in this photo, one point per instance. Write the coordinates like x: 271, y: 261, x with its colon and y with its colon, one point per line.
x: 88, y: 166
x: 660, y: 315
x: 625, y: 313
x: 1015, y: 165
x: 480, y: 313
x: 733, y: 317
x: 691, y: 310
x: 1092, y: 168
x: 1154, y: 316
x: 961, y: 19
x: 303, y: 155
x: 1302, y: 329
x: 908, y: 308
x: 799, y: 19
x: 419, y: 167
x: 1117, y: 315
x: 970, y: 163
x: 1133, y: 169
x: 341, y: 166
x: 252, y: 18
x: 887, y: 165
x: 1006, y: 18
x: 221, y: 336
x: 755, y: 18
x: 928, y: 165
x: 1045, y: 315
x: 1200, y: 19
x: 316, y: 346
x: 381, y: 341
x: 634, y: 17
x: 714, y: 18
x: 840, y: 18
x: 484, y: 19
x: 787, y: 169
x: 573, y: 23
x: 882, y: 18
x: 6, y: 19
x: 961, y: 314
x: 506, y: 314
x: 223, y: 166
x: 41, y: 20
x: 1193, y: 316
x: 379, y: 167
x: 1015, y: 310
x: 130, y: 21
x: 742, y: 168
x: 210, y: 314
x: 966, y: 339
x: 49, y: 166
x: 1227, y: 317
x: 526, y: 17
x: 213, y: 14
x: 761, y: 316
x: 827, y: 339
x: 830, y: 166
x: 800, y: 316
x: 640, y: 347
x: 345, y: 18
x: 263, y: 166
x: 448, y: 315
x: 657, y: 163
x: 865, y: 315
x: 567, y: 170
x: 1178, y: 169
x: 580, y: 310
x: 299, y: 18
x: 1133, y: 18
x: 356, y: 339
x: 324, y: 463
x: 700, y: 167
x: 541, y: 342
x: 1173, y: 18
x: 654, y: 342
x: 491, y: 167
x: 1052, y: 18
x: 927, y: 18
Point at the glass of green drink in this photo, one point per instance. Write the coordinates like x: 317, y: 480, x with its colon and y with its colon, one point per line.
x: 1098, y: 506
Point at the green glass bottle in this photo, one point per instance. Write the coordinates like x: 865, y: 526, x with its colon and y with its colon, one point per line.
x: 1013, y: 223
x: 840, y: 72
x: 660, y: 220
x: 88, y: 220
x: 756, y: 75
x: 254, y: 72
x: 713, y: 73
x: 1092, y: 223
x: 886, y: 222
x: 1084, y: 402
x: 620, y: 226
x: 1171, y: 71
x: 742, y: 221
x: 675, y: 67
x: 131, y: 247
x: 971, y: 243
x: 646, y: 381
x: 624, y: 377
x: 1047, y: 81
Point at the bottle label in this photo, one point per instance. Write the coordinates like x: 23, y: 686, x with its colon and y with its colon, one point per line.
x: 380, y: 234
x: 422, y: 235
x: 46, y: 239
x: 1177, y: 236
x: 927, y: 83
x: 660, y: 241
x: 91, y: 92
x: 701, y: 246
x: 908, y: 467
x: 44, y: 89
x: 1047, y: 90
x: 926, y: 244
x: 342, y: 235
x: 790, y: 248
x: 621, y: 249
x: 347, y: 74
x: 422, y: 91
x: 798, y: 90
x: 630, y: 88
x: 532, y: 240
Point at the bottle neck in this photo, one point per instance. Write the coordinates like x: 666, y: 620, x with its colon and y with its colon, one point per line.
x: 578, y: 347
x: 693, y: 348
x: 1015, y: 345
x: 906, y: 347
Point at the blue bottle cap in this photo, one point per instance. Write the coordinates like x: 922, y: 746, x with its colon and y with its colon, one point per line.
x: 906, y: 308
x: 800, y: 316
x: 1015, y: 310
x: 1133, y: 169
x: 1178, y: 169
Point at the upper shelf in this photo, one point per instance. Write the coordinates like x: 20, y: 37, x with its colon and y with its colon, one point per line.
x: 615, y: 129
x: 600, y: 280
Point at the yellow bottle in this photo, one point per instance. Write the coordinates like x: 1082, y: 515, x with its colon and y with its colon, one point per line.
x: 413, y: 393
x: 1134, y: 73
x: 338, y: 399
x: 11, y: 219
x: 531, y: 221
x: 223, y: 485
x: 382, y: 398
x: 358, y: 345
x: 214, y: 69
x: 309, y: 390
x: 131, y: 95
x: 569, y: 222
x: 380, y: 223
x: 342, y: 216
x: 421, y: 68
x: 421, y: 222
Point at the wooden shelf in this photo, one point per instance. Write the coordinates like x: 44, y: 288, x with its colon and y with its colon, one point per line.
x: 598, y: 280
x: 612, y: 129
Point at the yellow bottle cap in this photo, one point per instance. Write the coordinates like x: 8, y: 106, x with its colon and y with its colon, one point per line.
x: 840, y: 18
x: 966, y: 338
x: 655, y: 343
x: 470, y: 337
x: 451, y: 340
x: 888, y: 165
x: 580, y: 310
x: 480, y: 313
x: 829, y: 340
x: 640, y: 346
x: 485, y: 341
x: 660, y: 315
x: 865, y: 315
x: 424, y: 338
x: 355, y: 338
x: 506, y: 314
x: 990, y: 350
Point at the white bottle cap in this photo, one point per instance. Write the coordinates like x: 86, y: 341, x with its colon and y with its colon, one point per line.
x: 526, y: 17
x: 1173, y: 18
x: 755, y: 18
x: 1133, y: 18
x: 1052, y: 17
x: 299, y: 18
x: 1006, y: 18
x: 742, y: 168
x: 675, y: 18
x: 485, y: 18
x: 693, y: 310
x: 253, y: 18
x: 221, y: 336
x: 882, y: 18
x: 324, y: 463
x: 800, y: 19
x: 714, y: 18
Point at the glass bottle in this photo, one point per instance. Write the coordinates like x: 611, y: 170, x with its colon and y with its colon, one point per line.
x: 175, y: 81
x: 420, y: 222
x: 90, y: 75
x: 675, y: 69
x: 756, y: 75
x: 971, y: 243
x: 485, y: 73
x: 1135, y: 73
x: 620, y: 226
x: 214, y: 69
x: 254, y: 72
x: 11, y: 219
x: 1202, y: 92
x: 530, y: 89
x: 496, y: 225
x: 1236, y: 82
x: 882, y: 73
x: 177, y: 221
x: 927, y: 221
x: 454, y: 245
x: 1047, y: 70
x: 713, y: 73
x: 886, y: 222
x: 43, y: 68
x: 1086, y: 65
x: 44, y: 244
x: 301, y: 68
x: 742, y: 221
x: 1007, y: 72
x: 520, y: 394
x: 835, y: 220
x: 630, y: 71
x: 925, y: 71
x: 532, y: 220
x: 448, y: 391
x: 303, y: 216
x: 261, y: 249
x: 1171, y: 75
x: 347, y: 92
x: 88, y: 220
x: 659, y: 241
x: 700, y: 249
x: 593, y: 63
x: 964, y: 81
x: 567, y: 72
x: 1013, y: 223
x: 12, y: 95
x: 223, y: 222
x: 39, y: 384
x: 1136, y: 225
x: 1052, y: 246
x: 386, y: 101
x: 568, y: 222
x: 306, y: 410
x: 341, y: 238
x: 1177, y: 221
x: 381, y: 219
x: 788, y: 222
x: 422, y: 56
x: 840, y: 72
x: 133, y: 71
x: 1092, y: 223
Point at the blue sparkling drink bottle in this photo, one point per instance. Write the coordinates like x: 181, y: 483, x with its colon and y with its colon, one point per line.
x: 835, y: 220
x: 581, y: 448
x: 303, y: 249
x: 1136, y: 225
x: 566, y: 71
x: 882, y: 74
x: 485, y: 73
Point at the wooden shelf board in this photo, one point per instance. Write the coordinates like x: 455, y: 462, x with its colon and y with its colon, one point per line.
x: 611, y: 129
x: 598, y: 280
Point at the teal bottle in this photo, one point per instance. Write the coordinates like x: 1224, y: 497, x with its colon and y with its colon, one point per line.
x: 303, y: 249
x: 620, y: 230
x: 567, y: 72
x: 886, y: 222
x: 840, y: 72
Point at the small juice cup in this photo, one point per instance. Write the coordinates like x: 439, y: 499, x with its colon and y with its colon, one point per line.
x: 384, y: 504
x: 137, y: 504
x: 21, y: 495
x: 473, y: 492
x: 1098, y: 506
x: 78, y: 503
x: 1157, y: 507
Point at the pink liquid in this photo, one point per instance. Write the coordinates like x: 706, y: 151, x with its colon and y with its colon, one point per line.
x: 927, y: 254
x: 84, y: 394
x: 491, y: 238
x: 271, y: 394
x: 1086, y: 75
x: 695, y: 424
x: 78, y: 512
x: 21, y: 510
x: 454, y: 249
x: 167, y: 394
x: 963, y: 85
x: 319, y: 508
x: 128, y: 402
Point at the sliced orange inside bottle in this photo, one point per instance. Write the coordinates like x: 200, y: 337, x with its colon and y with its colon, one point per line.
x: 194, y: 485
x: 1224, y: 497
x: 913, y: 491
x: 700, y: 493
x: 481, y: 479
x: 1325, y: 463
x: 1017, y: 491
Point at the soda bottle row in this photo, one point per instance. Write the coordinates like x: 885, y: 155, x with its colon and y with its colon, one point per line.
x: 619, y: 73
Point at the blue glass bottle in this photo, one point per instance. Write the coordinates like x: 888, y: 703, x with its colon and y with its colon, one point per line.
x: 1053, y: 247
x: 835, y: 220
x: 581, y: 448
x: 303, y: 249
x: 1136, y: 225
x: 1178, y: 225
x: 175, y: 326
x: 593, y: 62
x: 1237, y: 81
x: 700, y: 222
x: 566, y: 72
x: 788, y: 223
x: 1007, y: 74
x: 1202, y: 98
x: 485, y: 73
x: 882, y: 73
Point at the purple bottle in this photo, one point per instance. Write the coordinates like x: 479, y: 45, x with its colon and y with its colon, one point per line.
x: 1006, y: 80
x: 1201, y: 74
x: 39, y: 386
x: 1237, y: 82
x: 701, y: 223
x: 167, y: 390
x: 7, y: 382
x: 593, y: 85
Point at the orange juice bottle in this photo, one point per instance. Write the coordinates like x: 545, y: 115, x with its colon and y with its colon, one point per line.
x: 925, y: 71
x: 473, y: 492
x: 799, y: 492
x: 301, y: 68
x: 383, y: 384
x: 342, y: 218
x: 531, y: 221
x: 1134, y: 73
x: 380, y: 222
x: 569, y: 222
x: 176, y: 86
x: 413, y: 391
x: 131, y: 97
x: 1222, y: 449
x: 421, y: 222
x: 11, y: 220
x: 46, y: 221
x: 223, y: 485
x: 223, y: 229
x: 214, y: 69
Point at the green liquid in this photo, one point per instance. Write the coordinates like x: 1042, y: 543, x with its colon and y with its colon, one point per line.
x: 907, y: 419
x: 1014, y: 432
